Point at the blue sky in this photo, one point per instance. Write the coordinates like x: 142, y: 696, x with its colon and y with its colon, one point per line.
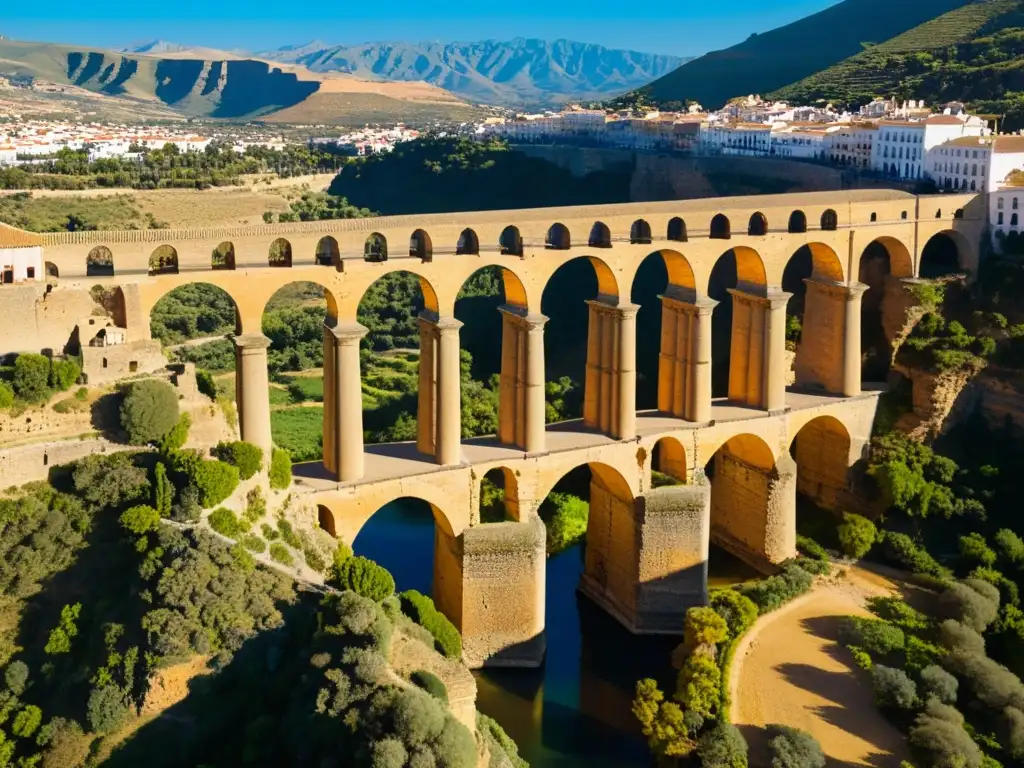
x: 681, y: 27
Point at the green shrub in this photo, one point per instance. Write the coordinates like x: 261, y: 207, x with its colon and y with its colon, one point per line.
x: 699, y: 688
x: 281, y: 554
x: 6, y: 395
x: 775, y: 591
x: 163, y: 490
x: 921, y: 653
x: 421, y: 609
x: 149, y: 411
x: 313, y: 558
x: 215, y: 481
x: 254, y: 543
x: 737, y: 609
x: 703, y: 627
x: 938, y: 739
x: 812, y: 549
x: 64, y: 374
x: 873, y: 635
x: 31, y: 377
x: 108, y: 709
x: 500, y: 740
x: 255, y: 504
x: 187, y: 509
x: 16, y: 677
x: 1009, y: 544
x: 938, y: 683
x: 430, y: 683
x: 364, y: 577
x: 566, y: 522
x: 975, y: 551
x: 206, y: 383
x: 856, y: 535
x: 226, y: 523
x: 722, y: 747
x: 893, y: 688
x: 901, y: 551
x: 140, y: 519
x: 962, y: 603
x: 793, y: 748
x: 861, y: 657
x: 246, y: 456
x: 280, y: 469
x: 177, y: 436
x: 288, y: 533
x: 82, y: 394
x: 896, y: 611
x: 270, y: 533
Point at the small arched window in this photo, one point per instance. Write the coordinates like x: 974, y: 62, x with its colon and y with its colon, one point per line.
x: 375, y: 248
x: 420, y: 247
x: 720, y: 229
x: 600, y: 236
x: 829, y: 220
x: 223, y: 256
x: 797, y: 222
x: 99, y: 262
x: 903, y: 215
x: 758, y: 225
x: 327, y: 253
x: 677, y: 230
x: 938, y: 214
x: 558, y: 238
x: 468, y: 243
x: 511, y: 242
x: 1013, y: 219
x: 958, y: 214
x: 640, y: 233
x: 280, y: 253
x: 874, y: 217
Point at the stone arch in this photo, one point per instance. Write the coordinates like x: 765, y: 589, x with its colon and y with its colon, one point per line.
x: 430, y: 302
x: 797, y: 223
x: 513, y: 289
x: 753, y: 501
x: 325, y: 519
x: 640, y: 233
x: 280, y: 253
x: 758, y: 225
x: 741, y: 269
x: 483, y: 321
x: 500, y: 501
x: 468, y: 243
x: 600, y: 236
x: 829, y: 220
x: 208, y: 308
x: 99, y: 262
x: 669, y: 458
x: 676, y: 230
x: 720, y: 227
x: 375, y: 248
x: 945, y: 253
x: 420, y: 246
x: 900, y: 262
x: 558, y: 238
x: 223, y: 256
x: 821, y: 449
x: 510, y: 241
x: 883, y: 262
x: 51, y: 270
x: 825, y: 262
x: 163, y: 260
x: 327, y: 252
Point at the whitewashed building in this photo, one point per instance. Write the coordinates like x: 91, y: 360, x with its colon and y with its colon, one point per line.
x: 900, y: 146
x: 21, y: 256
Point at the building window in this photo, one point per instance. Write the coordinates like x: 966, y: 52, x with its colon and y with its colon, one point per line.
x: 999, y: 219
x: 999, y: 204
x: 105, y: 359
x: 1014, y: 205
x: 31, y: 273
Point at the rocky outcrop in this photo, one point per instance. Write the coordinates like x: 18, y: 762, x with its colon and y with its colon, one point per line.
x: 939, y: 400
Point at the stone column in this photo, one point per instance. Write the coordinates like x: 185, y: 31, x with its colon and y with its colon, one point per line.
x: 609, y: 398
x: 521, y: 396
x: 852, y: 340
x: 780, y: 524
x: 449, y: 398
x: 775, y: 352
x: 700, y: 398
x: 426, y: 407
x: 346, y: 428
x: 330, y: 449
x: 829, y: 354
x: 684, y: 366
x: 252, y: 390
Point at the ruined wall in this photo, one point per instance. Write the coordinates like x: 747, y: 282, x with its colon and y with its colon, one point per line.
x: 104, y: 365
x: 38, y: 317
x: 34, y: 462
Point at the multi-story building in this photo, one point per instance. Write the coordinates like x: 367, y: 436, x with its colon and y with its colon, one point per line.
x: 900, y: 146
x: 799, y: 142
x: 745, y: 139
x: 851, y: 144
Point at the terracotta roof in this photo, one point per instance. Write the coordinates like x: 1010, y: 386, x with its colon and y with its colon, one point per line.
x: 967, y: 141
x: 1009, y: 144
x: 11, y: 237
x: 944, y: 120
x: 902, y: 123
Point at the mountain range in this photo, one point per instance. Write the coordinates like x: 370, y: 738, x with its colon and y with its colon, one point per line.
x: 522, y: 72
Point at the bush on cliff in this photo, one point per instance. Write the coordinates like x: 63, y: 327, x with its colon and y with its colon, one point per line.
x: 422, y: 610
x: 6, y: 395
x: 32, y: 377
x: 430, y: 683
x: 149, y: 411
x: 793, y: 748
x: 364, y: 577
x: 775, y: 591
x: 857, y: 535
x: 280, y: 469
x: 246, y: 456
x: 723, y: 747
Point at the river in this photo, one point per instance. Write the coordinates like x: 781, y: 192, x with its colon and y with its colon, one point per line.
x: 574, y: 711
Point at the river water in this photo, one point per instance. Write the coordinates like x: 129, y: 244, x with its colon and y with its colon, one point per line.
x: 574, y: 711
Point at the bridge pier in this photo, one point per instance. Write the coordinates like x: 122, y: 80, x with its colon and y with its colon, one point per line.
x: 757, y: 363
x: 521, y: 395
x: 252, y: 390
x: 684, y: 365
x: 609, y: 396
x: 490, y: 582
x: 343, y: 401
x: 829, y: 356
x: 438, y: 416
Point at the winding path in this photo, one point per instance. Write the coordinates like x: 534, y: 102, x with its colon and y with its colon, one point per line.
x: 789, y: 669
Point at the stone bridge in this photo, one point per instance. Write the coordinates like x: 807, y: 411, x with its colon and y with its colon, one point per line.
x: 647, y: 548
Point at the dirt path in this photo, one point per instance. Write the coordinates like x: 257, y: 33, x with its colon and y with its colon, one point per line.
x: 789, y: 669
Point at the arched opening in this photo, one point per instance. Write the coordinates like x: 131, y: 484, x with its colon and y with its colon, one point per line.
x: 511, y: 242
x: 720, y: 228
x: 163, y: 261
x: 663, y: 273
x: 223, y: 256
x: 829, y: 220
x: 600, y: 236
x: 668, y: 462
x: 293, y: 319
x: 903, y: 215
x: 420, y: 247
x: 958, y: 213
x: 941, y: 256
x: 677, y: 229
x: 280, y: 254
x: 558, y: 238
x: 737, y: 268
x: 817, y: 262
x: 564, y: 302
x: 375, y: 248
x: 821, y: 450
x: 51, y: 270
x: 325, y: 519
x: 499, y: 496
x: 745, y: 484
x: 99, y: 262
x: 797, y: 222
x: 468, y: 244
x: 882, y: 264
x: 477, y: 308
x: 327, y: 252
x: 758, y: 225
x: 402, y: 536
x: 640, y: 233
x: 391, y: 309
x: 874, y: 217
x: 938, y: 214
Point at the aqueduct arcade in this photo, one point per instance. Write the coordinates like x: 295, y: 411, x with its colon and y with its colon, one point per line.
x: 646, y: 548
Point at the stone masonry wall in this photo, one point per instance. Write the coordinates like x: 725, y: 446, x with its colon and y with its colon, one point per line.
x: 37, y: 317
x: 29, y: 463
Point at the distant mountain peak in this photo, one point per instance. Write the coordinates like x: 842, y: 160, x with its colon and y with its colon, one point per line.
x: 154, y: 46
